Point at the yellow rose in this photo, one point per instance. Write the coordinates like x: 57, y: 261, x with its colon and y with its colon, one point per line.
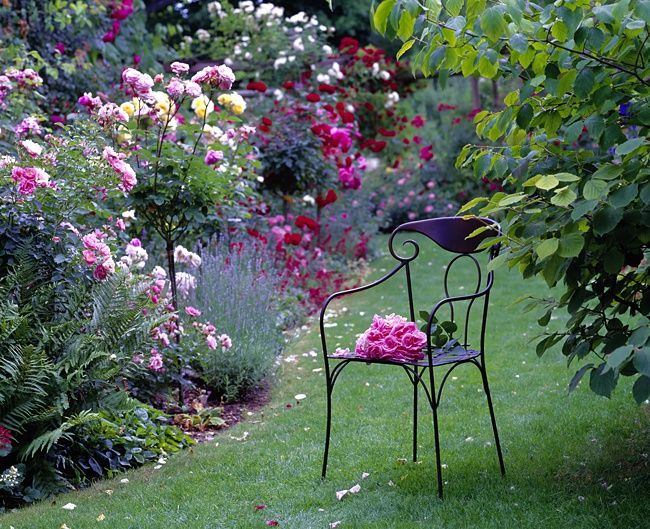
x: 225, y: 99
x: 128, y: 107
x: 238, y: 109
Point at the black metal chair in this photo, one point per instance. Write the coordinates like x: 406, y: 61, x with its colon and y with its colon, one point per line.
x: 465, y: 308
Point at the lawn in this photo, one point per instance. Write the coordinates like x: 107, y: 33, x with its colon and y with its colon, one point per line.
x: 576, y: 460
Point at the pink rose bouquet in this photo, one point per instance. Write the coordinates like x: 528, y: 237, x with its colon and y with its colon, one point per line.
x: 392, y: 338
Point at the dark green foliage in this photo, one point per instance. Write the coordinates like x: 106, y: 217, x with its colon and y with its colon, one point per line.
x: 63, y: 349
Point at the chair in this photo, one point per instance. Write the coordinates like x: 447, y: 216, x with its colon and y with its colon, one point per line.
x: 449, y: 340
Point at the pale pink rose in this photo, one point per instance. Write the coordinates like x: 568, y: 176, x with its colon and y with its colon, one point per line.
x: 109, y: 265
x: 138, y: 359
x: 225, y: 340
x: 120, y: 225
x: 131, y: 76
x: 180, y: 67
x: 156, y: 362
x: 175, y: 87
x: 193, y: 89
x: 91, y: 241
x: 212, y: 341
x: 89, y: 256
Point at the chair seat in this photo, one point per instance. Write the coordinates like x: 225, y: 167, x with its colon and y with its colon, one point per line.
x: 440, y: 357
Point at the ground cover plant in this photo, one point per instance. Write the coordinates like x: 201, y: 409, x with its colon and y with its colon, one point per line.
x: 577, y: 459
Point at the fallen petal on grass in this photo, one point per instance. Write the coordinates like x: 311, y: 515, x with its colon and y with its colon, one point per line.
x: 242, y: 438
x: 69, y: 506
x: 300, y: 396
x: 272, y: 522
x: 101, y: 518
x: 364, y: 475
x: 340, y: 494
x: 355, y: 489
x: 335, y: 524
x: 259, y: 507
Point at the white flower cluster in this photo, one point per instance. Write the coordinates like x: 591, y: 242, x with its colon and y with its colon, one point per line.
x: 11, y: 477
x: 184, y: 283
x: 184, y: 256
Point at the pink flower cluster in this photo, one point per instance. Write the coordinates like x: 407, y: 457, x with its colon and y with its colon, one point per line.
x: 219, y: 76
x: 122, y: 168
x: 29, y: 178
x: 97, y: 250
x: 209, y: 331
x: 140, y: 82
x: 28, y: 125
x: 392, y: 338
x: 24, y: 78
x: 5, y: 439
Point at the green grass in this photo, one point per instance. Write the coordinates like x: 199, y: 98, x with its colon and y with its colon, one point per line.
x: 571, y: 461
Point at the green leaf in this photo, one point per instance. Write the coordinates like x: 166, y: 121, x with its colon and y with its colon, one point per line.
x: 619, y: 356
x: 642, y: 10
x: 641, y: 389
x: 563, y: 197
x: 405, y: 47
x: 487, y: 67
x: 606, y: 219
x: 629, y: 146
x: 382, y: 14
x: 493, y: 23
x: 603, y: 382
x: 566, y: 177
x: 571, y: 245
x: 547, y: 182
x: 524, y: 116
x: 578, y: 376
x: 593, y: 189
x: 642, y: 361
x: 584, y: 83
x: 624, y: 195
x: 519, y: 43
x: 608, y: 172
x: 559, y: 31
x: 565, y: 82
x: 437, y: 57
x: 640, y: 336
x: 454, y: 6
x: 614, y: 261
x: 406, y: 24
x: 573, y: 132
x: 604, y: 14
x: 547, y: 248
x: 595, y: 125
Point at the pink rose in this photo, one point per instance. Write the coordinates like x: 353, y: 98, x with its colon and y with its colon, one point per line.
x: 89, y: 257
x: 180, y: 67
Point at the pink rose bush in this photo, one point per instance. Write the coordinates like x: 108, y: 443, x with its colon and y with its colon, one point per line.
x: 392, y: 338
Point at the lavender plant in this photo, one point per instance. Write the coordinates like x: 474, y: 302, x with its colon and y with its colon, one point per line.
x: 236, y: 293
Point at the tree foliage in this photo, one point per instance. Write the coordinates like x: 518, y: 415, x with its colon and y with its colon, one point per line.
x: 572, y: 147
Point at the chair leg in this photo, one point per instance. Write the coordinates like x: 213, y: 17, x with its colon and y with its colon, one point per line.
x: 415, y: 420
x: 328, y: 428
x: 437, y: 440
x: 486, y: 388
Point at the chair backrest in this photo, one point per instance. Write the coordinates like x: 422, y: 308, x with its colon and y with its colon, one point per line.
x: 452, y: 234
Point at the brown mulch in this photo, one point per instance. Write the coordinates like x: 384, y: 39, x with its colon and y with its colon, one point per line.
x: 233, y: 414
